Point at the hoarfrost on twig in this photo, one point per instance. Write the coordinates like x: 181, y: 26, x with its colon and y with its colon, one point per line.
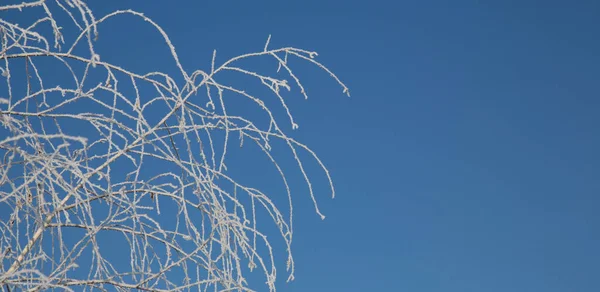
x: 152, y: 143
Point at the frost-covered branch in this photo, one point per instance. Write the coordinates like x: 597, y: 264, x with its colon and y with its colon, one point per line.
x: 99, y: 157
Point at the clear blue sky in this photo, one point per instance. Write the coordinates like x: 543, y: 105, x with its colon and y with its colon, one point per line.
x: 467, y: 158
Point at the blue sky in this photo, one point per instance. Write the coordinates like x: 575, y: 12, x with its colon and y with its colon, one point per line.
x: 467, y: 157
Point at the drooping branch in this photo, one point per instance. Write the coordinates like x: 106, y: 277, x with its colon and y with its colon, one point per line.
x: 101, y: 156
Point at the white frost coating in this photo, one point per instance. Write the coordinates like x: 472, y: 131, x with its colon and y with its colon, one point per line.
x: 54, y: 214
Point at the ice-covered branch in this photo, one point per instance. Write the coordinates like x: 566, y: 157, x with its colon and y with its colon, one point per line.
x: 109, y: 155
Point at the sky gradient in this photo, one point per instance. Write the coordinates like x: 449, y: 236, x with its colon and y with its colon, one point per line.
x: 467, y: 157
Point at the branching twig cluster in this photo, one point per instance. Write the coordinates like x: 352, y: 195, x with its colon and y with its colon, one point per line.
x: 99, y: 154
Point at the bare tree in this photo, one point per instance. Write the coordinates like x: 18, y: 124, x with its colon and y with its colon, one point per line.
x: 89, y: 158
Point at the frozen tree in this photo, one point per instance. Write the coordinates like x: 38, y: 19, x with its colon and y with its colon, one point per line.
x: 92, y: 152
